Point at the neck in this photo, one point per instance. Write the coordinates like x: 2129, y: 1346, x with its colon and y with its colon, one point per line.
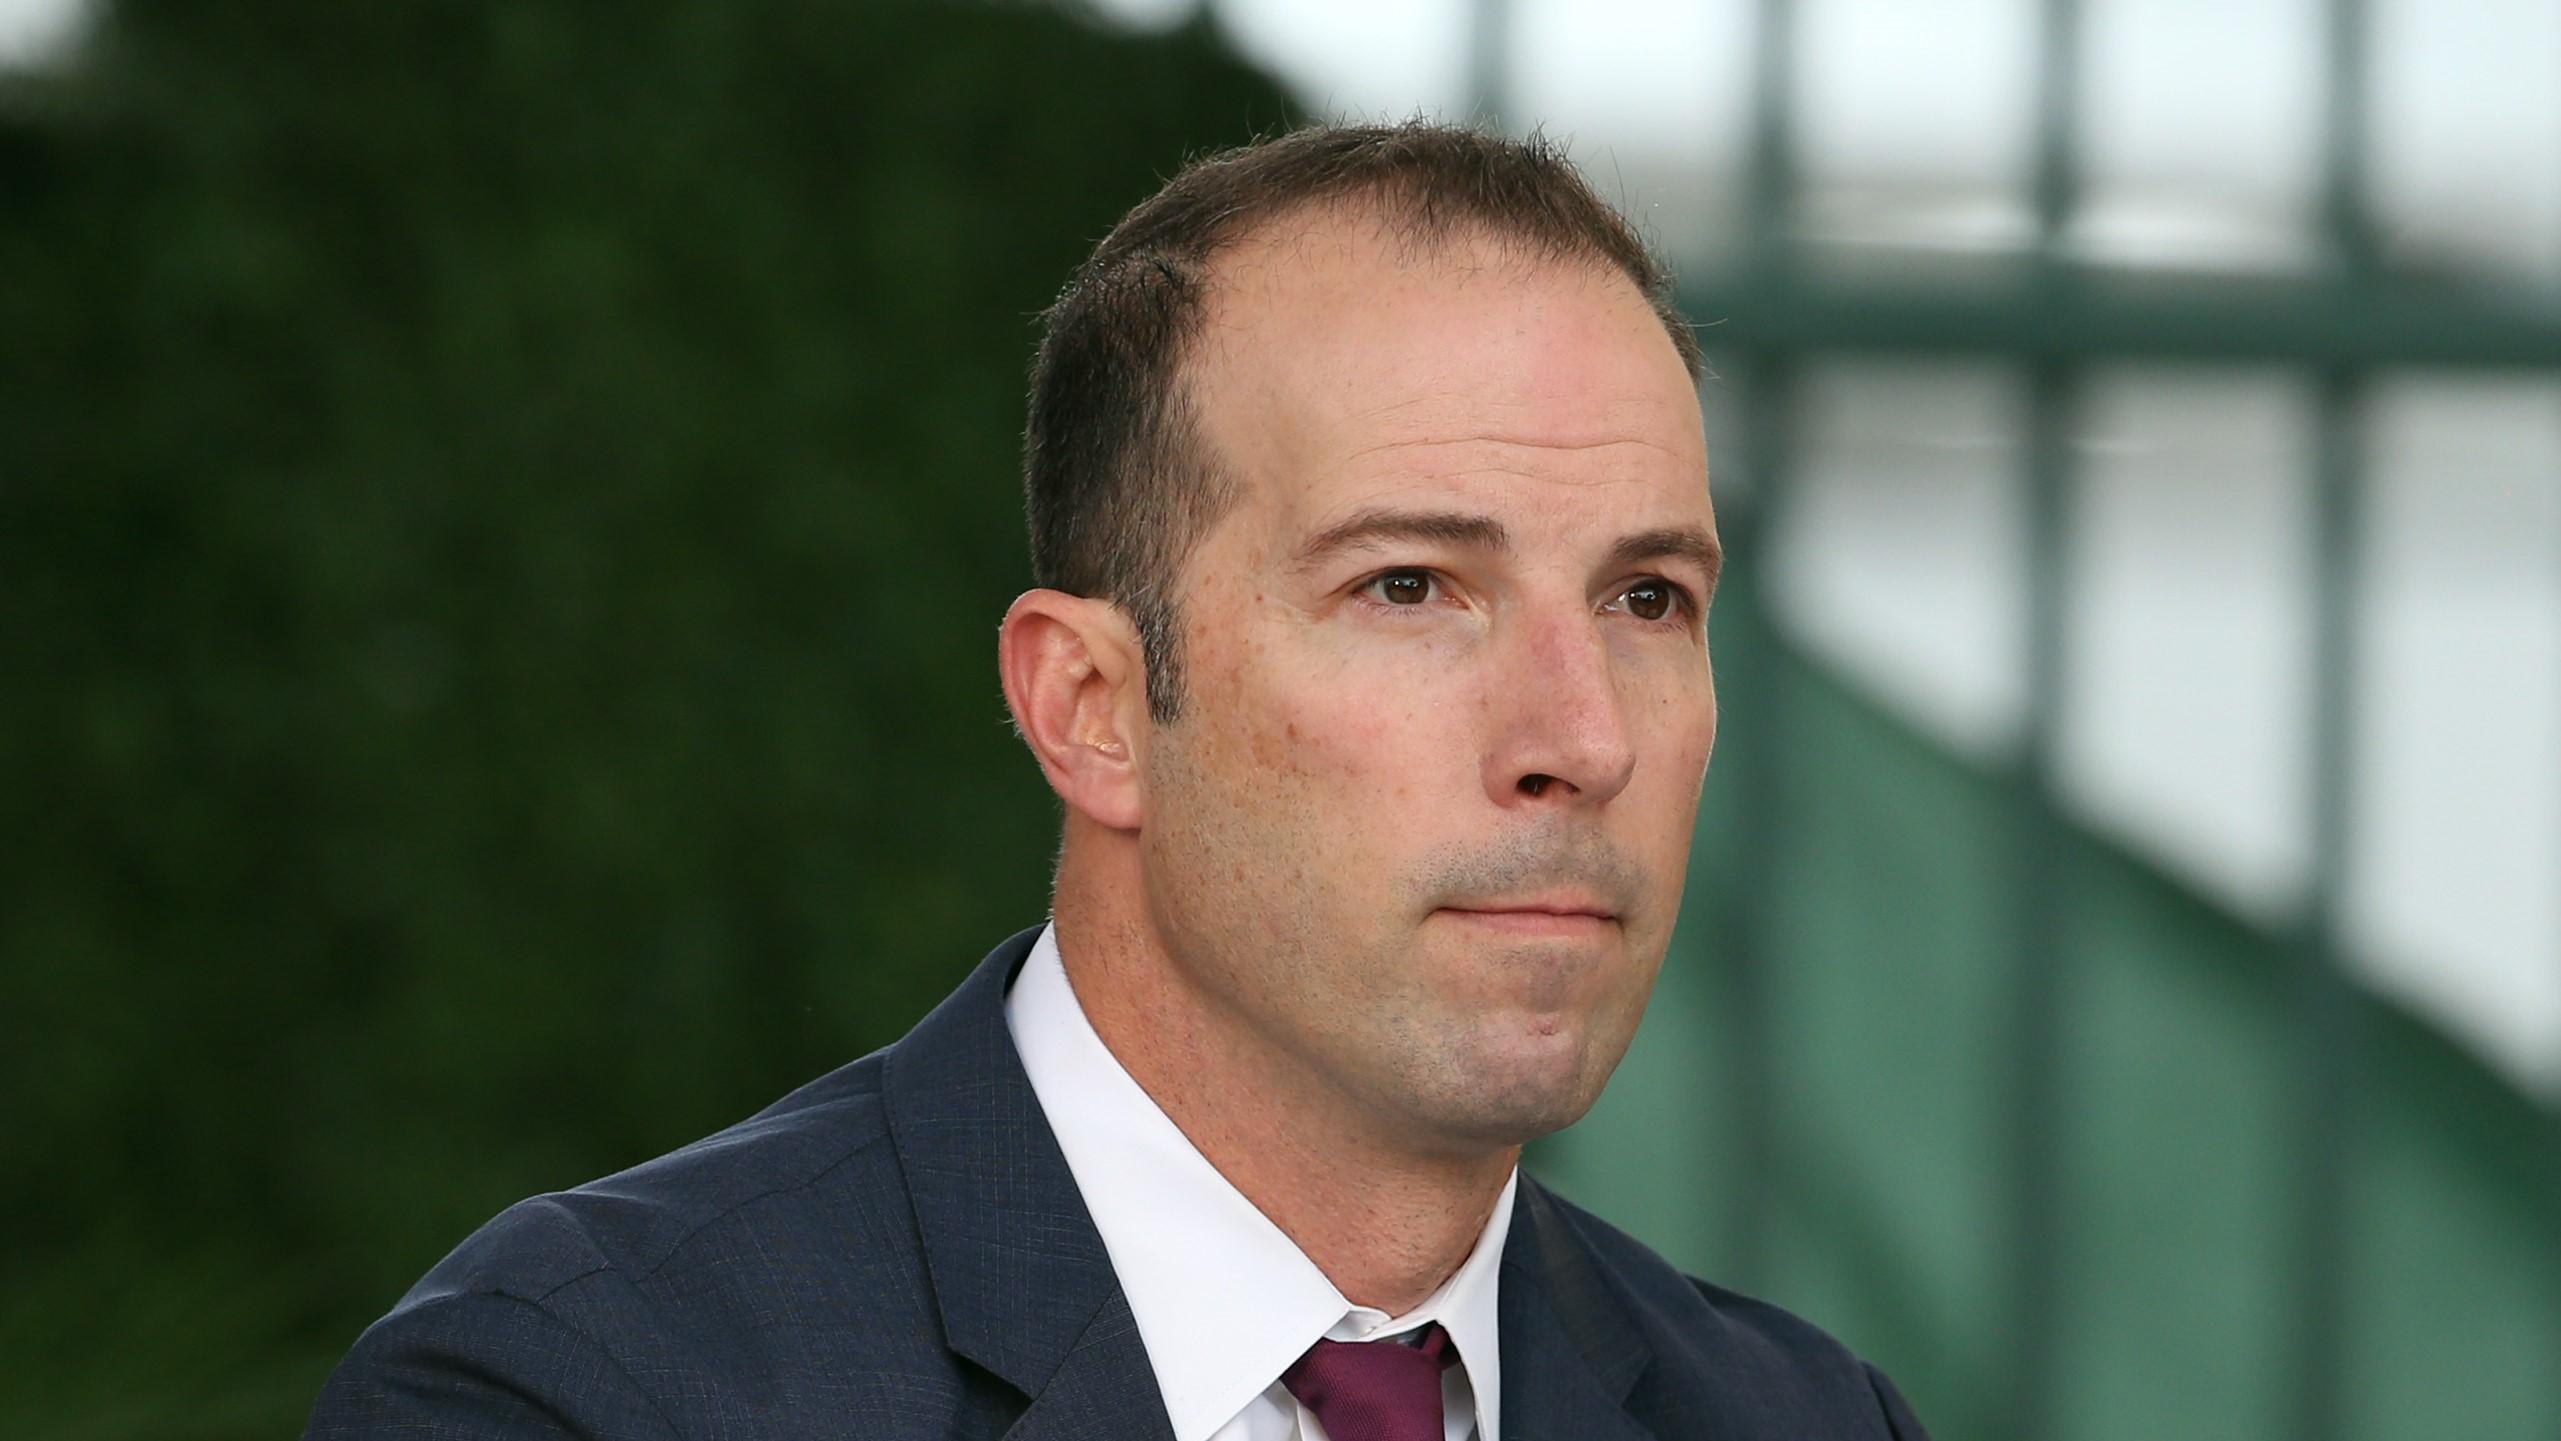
x: 1385, y: 1219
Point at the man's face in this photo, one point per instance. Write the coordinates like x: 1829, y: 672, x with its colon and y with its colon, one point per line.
x: 1422, y: 826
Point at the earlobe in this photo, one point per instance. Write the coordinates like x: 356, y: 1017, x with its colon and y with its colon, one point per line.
x: 1071, y: 670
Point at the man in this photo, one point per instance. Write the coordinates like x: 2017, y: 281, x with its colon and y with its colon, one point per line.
x: 1369, y: 512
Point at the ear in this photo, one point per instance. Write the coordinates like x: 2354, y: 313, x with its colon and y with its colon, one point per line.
x: 1076, y: 682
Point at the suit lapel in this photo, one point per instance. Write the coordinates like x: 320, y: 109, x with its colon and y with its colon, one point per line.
x: 1024, y: 1285
x: 1104, y: 1390
x: 1570, y: 1351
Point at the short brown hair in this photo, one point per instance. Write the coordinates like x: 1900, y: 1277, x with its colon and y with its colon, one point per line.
x: 1117, y: 483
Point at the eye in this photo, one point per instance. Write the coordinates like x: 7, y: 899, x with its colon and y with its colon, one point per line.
x: 1403, y: 587
x: 1653, y: 598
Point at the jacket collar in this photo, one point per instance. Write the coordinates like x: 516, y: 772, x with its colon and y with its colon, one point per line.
x: 1019, y: 1273
x: 1571, y: 1352
x: 1026, y: 1288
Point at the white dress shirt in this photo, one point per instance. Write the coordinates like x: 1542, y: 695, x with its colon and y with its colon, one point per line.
x: 1223, y: 1300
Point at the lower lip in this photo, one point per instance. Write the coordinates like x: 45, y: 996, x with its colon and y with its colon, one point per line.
x: 1535, y: 923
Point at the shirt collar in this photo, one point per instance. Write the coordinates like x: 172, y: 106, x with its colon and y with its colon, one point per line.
x: 1188, y: 1246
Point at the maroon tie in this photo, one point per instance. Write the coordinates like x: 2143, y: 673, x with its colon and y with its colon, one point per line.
x: 1374, y: 1390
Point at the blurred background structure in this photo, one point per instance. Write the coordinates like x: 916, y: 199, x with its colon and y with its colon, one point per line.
x: 505, y: 507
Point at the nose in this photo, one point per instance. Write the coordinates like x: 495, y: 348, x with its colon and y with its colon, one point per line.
x: 1560, y: 734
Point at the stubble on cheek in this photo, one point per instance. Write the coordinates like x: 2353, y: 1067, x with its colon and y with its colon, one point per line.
x: 1275, y: 868
x: 1228, y: 841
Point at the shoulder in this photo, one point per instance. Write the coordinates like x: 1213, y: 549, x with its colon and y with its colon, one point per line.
x: 1707, y: 1340
x: 781, y: 1169
x: 770, y: 1270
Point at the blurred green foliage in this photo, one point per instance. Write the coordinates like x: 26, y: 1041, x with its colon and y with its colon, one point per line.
x: 504, y: 510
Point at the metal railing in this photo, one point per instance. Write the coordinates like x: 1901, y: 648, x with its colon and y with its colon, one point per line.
x: 2051, y: 322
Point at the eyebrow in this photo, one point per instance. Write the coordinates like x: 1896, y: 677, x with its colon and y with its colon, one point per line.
x: 1677, y: 542
x: 1379, y: 526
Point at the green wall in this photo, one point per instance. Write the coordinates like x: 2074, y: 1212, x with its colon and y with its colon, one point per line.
x: 504, y: 510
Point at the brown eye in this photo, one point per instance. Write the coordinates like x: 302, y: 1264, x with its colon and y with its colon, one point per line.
x: 1405, y: 587
x: 1649, y: 600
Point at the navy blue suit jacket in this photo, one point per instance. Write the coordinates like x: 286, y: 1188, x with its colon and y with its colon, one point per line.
x: 898, y: 1250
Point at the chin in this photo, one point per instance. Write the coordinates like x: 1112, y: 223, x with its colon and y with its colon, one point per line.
x: 1520, y: 1088
x: 1492, y: 1124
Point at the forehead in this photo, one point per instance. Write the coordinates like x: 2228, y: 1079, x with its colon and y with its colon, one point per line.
x: 1342, y: 366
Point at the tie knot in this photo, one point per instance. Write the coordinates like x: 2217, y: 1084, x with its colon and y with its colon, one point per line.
x: 1374, y: 1390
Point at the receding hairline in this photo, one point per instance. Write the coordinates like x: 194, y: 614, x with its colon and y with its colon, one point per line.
x: 1466, y: 248
x: 1380, y: 215
x: 1418, y: 236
